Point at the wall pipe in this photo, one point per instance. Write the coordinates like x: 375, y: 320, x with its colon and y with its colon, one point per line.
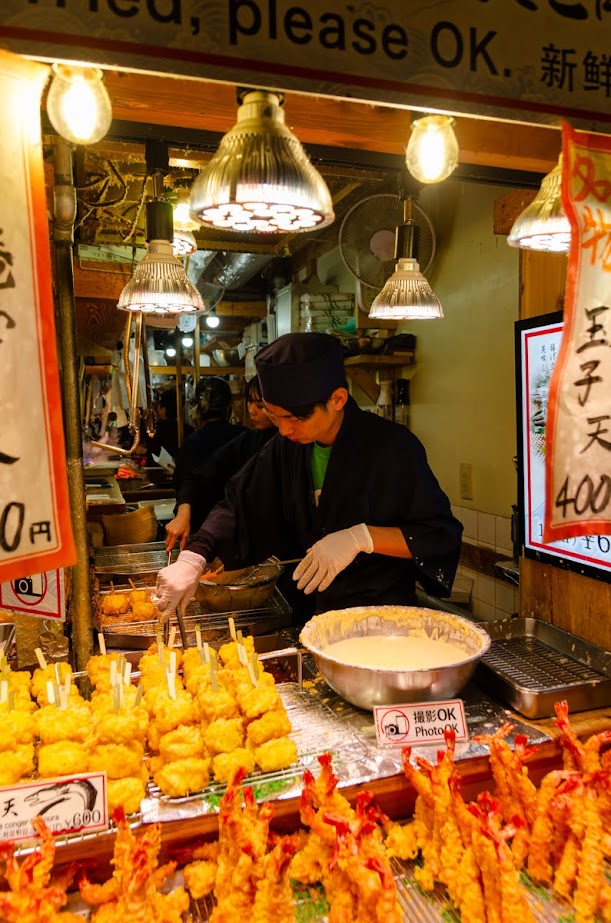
x: 64, y: 213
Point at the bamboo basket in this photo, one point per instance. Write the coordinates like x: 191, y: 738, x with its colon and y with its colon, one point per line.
x: 136, y: 527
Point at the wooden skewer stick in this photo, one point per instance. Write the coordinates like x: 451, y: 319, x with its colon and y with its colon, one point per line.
x: 139, y: 694
x: 40, y: 658
x: 132, y: 584
x: 172, y: 637
x: 3, y: 691
x: 206, y: 652
x: 198, y: 637
x: 102, y: 643
x: 232, y: 630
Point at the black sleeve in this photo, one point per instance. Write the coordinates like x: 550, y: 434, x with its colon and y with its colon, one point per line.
x: 249, y: 524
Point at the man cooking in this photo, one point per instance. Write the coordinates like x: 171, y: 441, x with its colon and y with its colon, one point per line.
x: 348, y: 492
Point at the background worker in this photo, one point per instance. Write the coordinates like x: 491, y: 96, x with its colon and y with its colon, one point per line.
x: 349, y: 492
x: 213, y: 405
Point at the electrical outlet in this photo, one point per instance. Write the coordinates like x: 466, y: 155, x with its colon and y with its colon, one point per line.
x: 465, y: 476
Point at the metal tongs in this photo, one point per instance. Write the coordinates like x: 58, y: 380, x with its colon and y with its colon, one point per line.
x: 179, y: 618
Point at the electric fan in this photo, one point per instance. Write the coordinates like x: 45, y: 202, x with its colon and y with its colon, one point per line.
x: 367, y: 238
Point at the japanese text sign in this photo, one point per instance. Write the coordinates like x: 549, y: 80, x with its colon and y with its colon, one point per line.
x: 67, y: 805
x: 578, y: 429
x: 35, y: 526
x: 420, y: 723
x: 40, y: 595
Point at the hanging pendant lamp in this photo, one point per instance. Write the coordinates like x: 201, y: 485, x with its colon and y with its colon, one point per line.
x: 260, y: 180
x: 543, y: 225
x: 160, y: 284
x: 406, y: 295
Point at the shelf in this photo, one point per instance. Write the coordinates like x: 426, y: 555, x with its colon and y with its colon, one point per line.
x: 371, y: 360
x: 203, y: 370
x: 362, y: 369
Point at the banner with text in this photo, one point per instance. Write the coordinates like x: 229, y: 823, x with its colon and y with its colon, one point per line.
x: 531, y: 60
x: 578, y: 431
x: 35, y: 525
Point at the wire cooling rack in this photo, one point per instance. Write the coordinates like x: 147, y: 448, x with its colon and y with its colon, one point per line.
x: 417, y: 906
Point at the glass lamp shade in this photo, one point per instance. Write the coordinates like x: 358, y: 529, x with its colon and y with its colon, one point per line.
x: 181, y: 214
x: 432, y: 151
x: 160, y: 284
x: 260, y: 179
x: 78, y: 104
x: 183, y: 242
x: 543, y: 225
x: 406, y: 296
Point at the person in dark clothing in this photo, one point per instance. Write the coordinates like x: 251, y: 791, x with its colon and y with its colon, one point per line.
x: 348, y: 491
x: 210, y: 478
x: 213, y: 401
x: 166, y: 427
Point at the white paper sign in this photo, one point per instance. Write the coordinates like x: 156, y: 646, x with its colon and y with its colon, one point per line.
x: 420, y: 723
x: 67, y: 805
x: 40, y: 595
x: 35, y: 524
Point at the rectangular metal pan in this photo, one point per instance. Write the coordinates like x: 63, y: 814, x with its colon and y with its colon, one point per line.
x: 124, y: 634
x: 531, y: 665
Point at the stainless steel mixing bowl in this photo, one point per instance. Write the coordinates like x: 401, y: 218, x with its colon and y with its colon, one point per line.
x: 366, y: 686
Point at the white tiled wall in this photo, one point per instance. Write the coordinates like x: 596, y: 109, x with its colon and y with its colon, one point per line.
x: 491, y: 598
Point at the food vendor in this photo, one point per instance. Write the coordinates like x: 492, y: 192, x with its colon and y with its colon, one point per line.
x: 349, y: 492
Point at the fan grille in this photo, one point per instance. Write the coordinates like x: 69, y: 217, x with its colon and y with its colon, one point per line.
x: 367, y: 234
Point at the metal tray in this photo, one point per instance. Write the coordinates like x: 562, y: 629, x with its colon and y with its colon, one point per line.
x: 125, y: 634
x: 531, y: 665
x: 131, y: 560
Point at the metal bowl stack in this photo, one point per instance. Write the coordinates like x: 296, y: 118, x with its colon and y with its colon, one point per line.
x: 366, y: 686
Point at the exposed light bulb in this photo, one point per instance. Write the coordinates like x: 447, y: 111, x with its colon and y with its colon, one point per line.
x: 187, y: 341
x: 170, y: 351
x: 432, y: 152
x: 212, y: 320
x: 78, y: 104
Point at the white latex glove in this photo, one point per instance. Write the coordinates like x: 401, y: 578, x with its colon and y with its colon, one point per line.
x: 176, y: 583
x: 329, y: 556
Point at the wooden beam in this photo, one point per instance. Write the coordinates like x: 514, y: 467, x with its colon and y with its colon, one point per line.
x: 245, y: 309
x: 205, y: 106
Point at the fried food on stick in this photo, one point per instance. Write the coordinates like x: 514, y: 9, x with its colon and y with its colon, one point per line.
x: 214, y: 705
x: 119, y: 760
x: 143, y: 611
x: 224, y: 735
x: 127, y: 793
x: 200, y: 877
x: 72, y: 723
x: 230, y: 652
x: 115, y: 604
x: 122, y: 727
x: 225, y: 765
x: 62, y: 759
x: 184, y: 741
x: 254, y: 701
x: 16, y: 764
x: 16, y: 727
x: 184, y: 776
x: 271, y: 725
x: 276, y: 754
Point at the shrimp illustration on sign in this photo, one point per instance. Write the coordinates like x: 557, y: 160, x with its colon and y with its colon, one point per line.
x: 79, y: 791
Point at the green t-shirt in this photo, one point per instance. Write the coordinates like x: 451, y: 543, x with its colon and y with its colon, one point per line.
x: 320, y: 460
